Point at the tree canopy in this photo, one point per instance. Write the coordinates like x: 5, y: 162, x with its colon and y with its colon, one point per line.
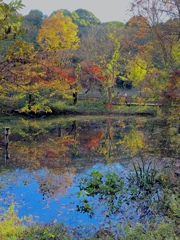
x: 69, y: 50
x: 58, y: 32
x: 10, y: 20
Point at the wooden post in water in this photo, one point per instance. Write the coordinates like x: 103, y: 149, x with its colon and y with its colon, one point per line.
x: 6, y: 141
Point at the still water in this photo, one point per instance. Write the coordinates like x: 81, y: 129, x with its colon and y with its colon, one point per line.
x: 46, y: 160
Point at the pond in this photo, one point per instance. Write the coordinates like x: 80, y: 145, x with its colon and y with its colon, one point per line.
x: 47, y: 166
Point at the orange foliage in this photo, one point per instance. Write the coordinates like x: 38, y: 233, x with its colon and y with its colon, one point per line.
x: 50, y: 154
x: 68, y: 74
x: 67, y: 141
x: 111, y: 133
x: 93, y: 71
x: 94, y: 141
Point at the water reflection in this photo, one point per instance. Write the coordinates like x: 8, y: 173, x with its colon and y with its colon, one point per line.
x: 49, y: 157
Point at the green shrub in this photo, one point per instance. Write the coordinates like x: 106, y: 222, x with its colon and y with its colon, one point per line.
x: 47, y: 232
x: 61, y: 106
x: 11, y: 227
x: 162, y: 231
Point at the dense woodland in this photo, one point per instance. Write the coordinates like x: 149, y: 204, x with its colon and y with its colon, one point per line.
x: 46, y: 61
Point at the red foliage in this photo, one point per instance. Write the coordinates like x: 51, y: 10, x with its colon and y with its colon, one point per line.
x: 108, y: 121
x: 172, y: 94
x: 50, y: 154
x: 68, y: 74
x: 95, y: 140
x: 67, y: 142
x: 109, y: 105
x: 94, y: 72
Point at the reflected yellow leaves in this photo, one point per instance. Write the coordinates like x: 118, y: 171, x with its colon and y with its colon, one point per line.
x: 133, y: 142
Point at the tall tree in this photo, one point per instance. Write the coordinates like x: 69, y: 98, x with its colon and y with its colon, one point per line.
x: 163, y: 34
x: 58, y: 32
x: 151, y: 44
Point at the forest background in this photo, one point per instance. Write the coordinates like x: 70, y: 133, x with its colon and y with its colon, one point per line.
x: 48, y: 61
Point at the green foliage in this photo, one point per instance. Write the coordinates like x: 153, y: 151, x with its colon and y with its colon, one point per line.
x: 171, y: 201
x: 32, y: 22
x: 34, y: 18
x: 11, y: 227
x: 39, y: 107
x: 176, y: 52
x: 112, y: 185
x: 145, y: 176
x: 10, y: 20
x: 105, y: 188
x: 90, y: 105
x: 48, y: 232
x: 114, y: 24
x: 85, y: 18
x: 111, y: 68
x: 174, y: 205
x: 162, y: 231
x: 20, y: 51
x: 96, y: 185
x: 137, y: 69
x: 61, y: 106
x: 82, y: 17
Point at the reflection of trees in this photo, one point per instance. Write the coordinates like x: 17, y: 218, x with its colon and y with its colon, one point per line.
x: 35, y: 142
x: 36, y: 155
x: 55, y: 143
x: 53, y: 183
x: 100, y: 140
x: 133, y: 142
x: 168, y: 141
x: 31, y: 130
x: 62, y: 149
x: 150, y: 137
x: 108, y: 145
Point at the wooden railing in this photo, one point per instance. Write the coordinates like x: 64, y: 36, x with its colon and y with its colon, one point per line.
x: 130, y: 101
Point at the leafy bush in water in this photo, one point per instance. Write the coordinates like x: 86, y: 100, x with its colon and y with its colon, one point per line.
x: 96, y: 185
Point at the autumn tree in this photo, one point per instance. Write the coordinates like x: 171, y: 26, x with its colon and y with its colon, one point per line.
x: 111, y: 69
x: 99, y: 55
x: 36, y: 77
x: 22, y: 75
x: 58, y: 32
x: 34, y: 80
x: 154, y: 15
x: 151, y: 44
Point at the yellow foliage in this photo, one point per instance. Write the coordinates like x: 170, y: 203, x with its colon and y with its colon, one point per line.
x: 11, y: 226
x: 58, y: 32
x: 134, y: 141
x: 141, y: 100
x: 20, y: 50
x: 137, y: 69
x: 176, y: 52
